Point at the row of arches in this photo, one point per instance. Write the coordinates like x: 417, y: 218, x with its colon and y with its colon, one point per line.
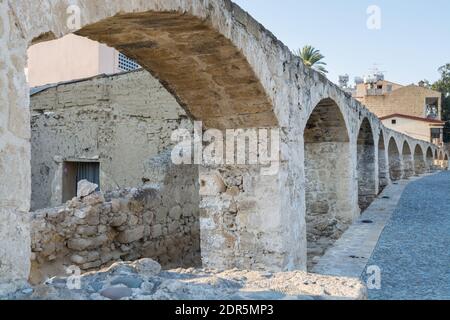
x: 329, y: 172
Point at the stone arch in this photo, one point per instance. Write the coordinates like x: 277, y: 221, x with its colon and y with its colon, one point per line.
x: 213, y: 57
x: 430, y: 159
x: 395, y: 161
x: 408, y: 160
x: 420, y: 165
x: 367, y: 189
x: 328, y: 178
x: 205, y: 71
x: 383, y: 172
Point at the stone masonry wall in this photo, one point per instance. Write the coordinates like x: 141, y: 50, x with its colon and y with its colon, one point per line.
x: 265, y: 86
x: 327, y: 190
x: 118, y: 121
x: 159, y: 221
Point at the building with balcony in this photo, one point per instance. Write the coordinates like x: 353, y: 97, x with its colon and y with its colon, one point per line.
x: 414, y: 109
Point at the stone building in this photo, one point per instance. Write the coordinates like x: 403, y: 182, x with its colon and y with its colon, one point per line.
x: 413, y: 110
x: 102, y: 129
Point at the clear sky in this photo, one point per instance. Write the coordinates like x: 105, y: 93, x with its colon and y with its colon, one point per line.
x: 414, y: 39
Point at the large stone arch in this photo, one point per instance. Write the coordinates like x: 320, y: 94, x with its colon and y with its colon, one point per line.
x: 213, y: 57
x: 383, y: 166
x: 420, y: 165
x: 408, y: 160
x: 208, y: 74
x: 430, y: 159
x: 328, y: 178
x: 367, y: 189
x: 395, y: 161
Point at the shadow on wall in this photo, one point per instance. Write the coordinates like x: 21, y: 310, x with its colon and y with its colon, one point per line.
x: 328, y: 179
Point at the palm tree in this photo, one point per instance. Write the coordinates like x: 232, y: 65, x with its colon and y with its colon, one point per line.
x: 312, y: 58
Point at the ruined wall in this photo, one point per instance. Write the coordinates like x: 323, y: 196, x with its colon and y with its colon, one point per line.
x: 119, y: 121
x: 159, y: 221
x: 237, y: 219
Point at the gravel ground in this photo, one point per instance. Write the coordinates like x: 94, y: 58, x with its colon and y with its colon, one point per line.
x: 144, y: 280
x: 413, y: 252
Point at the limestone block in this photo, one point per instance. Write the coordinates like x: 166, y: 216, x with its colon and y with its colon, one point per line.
x: 131, y: 235
x: 175, y: 213
x: 85, y: 188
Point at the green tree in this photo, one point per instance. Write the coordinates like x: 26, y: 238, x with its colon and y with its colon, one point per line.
x: 443, y: 86
x: 312, y: 58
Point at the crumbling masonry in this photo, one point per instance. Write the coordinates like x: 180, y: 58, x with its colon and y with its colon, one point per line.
x: 227, y: 70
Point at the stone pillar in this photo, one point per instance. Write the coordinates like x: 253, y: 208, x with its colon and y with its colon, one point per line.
x: 240, y: 219
x: 253, y: 218
x: 15, y: 170
x: 408, y: 166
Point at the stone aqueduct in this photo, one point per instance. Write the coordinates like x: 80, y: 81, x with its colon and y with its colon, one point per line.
x: 225, y: 69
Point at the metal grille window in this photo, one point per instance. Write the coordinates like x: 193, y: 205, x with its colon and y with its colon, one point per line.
x: 89, y: 171
x: 126, y: 64
x: 74, y: 172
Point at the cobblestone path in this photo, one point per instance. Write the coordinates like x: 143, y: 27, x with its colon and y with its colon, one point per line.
x: 413, y: 252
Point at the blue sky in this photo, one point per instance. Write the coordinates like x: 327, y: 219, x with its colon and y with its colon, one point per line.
x: 414, y: 39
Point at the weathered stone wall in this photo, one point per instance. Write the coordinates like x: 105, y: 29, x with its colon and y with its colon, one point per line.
x: 237, y: 224
x: 327, y: 194
x: 235, y: 73
x: 367, y: 186
x: 383, y: 165
x: 395, y: 161
x: 118, y: 121
x: 420, y: 165
x: 159, y: 221
x: 408, y: 161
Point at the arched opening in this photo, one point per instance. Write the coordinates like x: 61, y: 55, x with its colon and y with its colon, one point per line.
x: 329, y: 209
x: 408, y: 161
x: 441, y: 159
x: 430, y: 159
x: 395, y: 162
x: 366, y: 166
x: 445, y: 164
x: 383, y: 172
x: 420, y: 165
x: 209, y: 76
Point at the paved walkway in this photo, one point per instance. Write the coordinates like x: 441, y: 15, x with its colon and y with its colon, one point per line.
x: 350, y: 254
x: 413, y: 251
